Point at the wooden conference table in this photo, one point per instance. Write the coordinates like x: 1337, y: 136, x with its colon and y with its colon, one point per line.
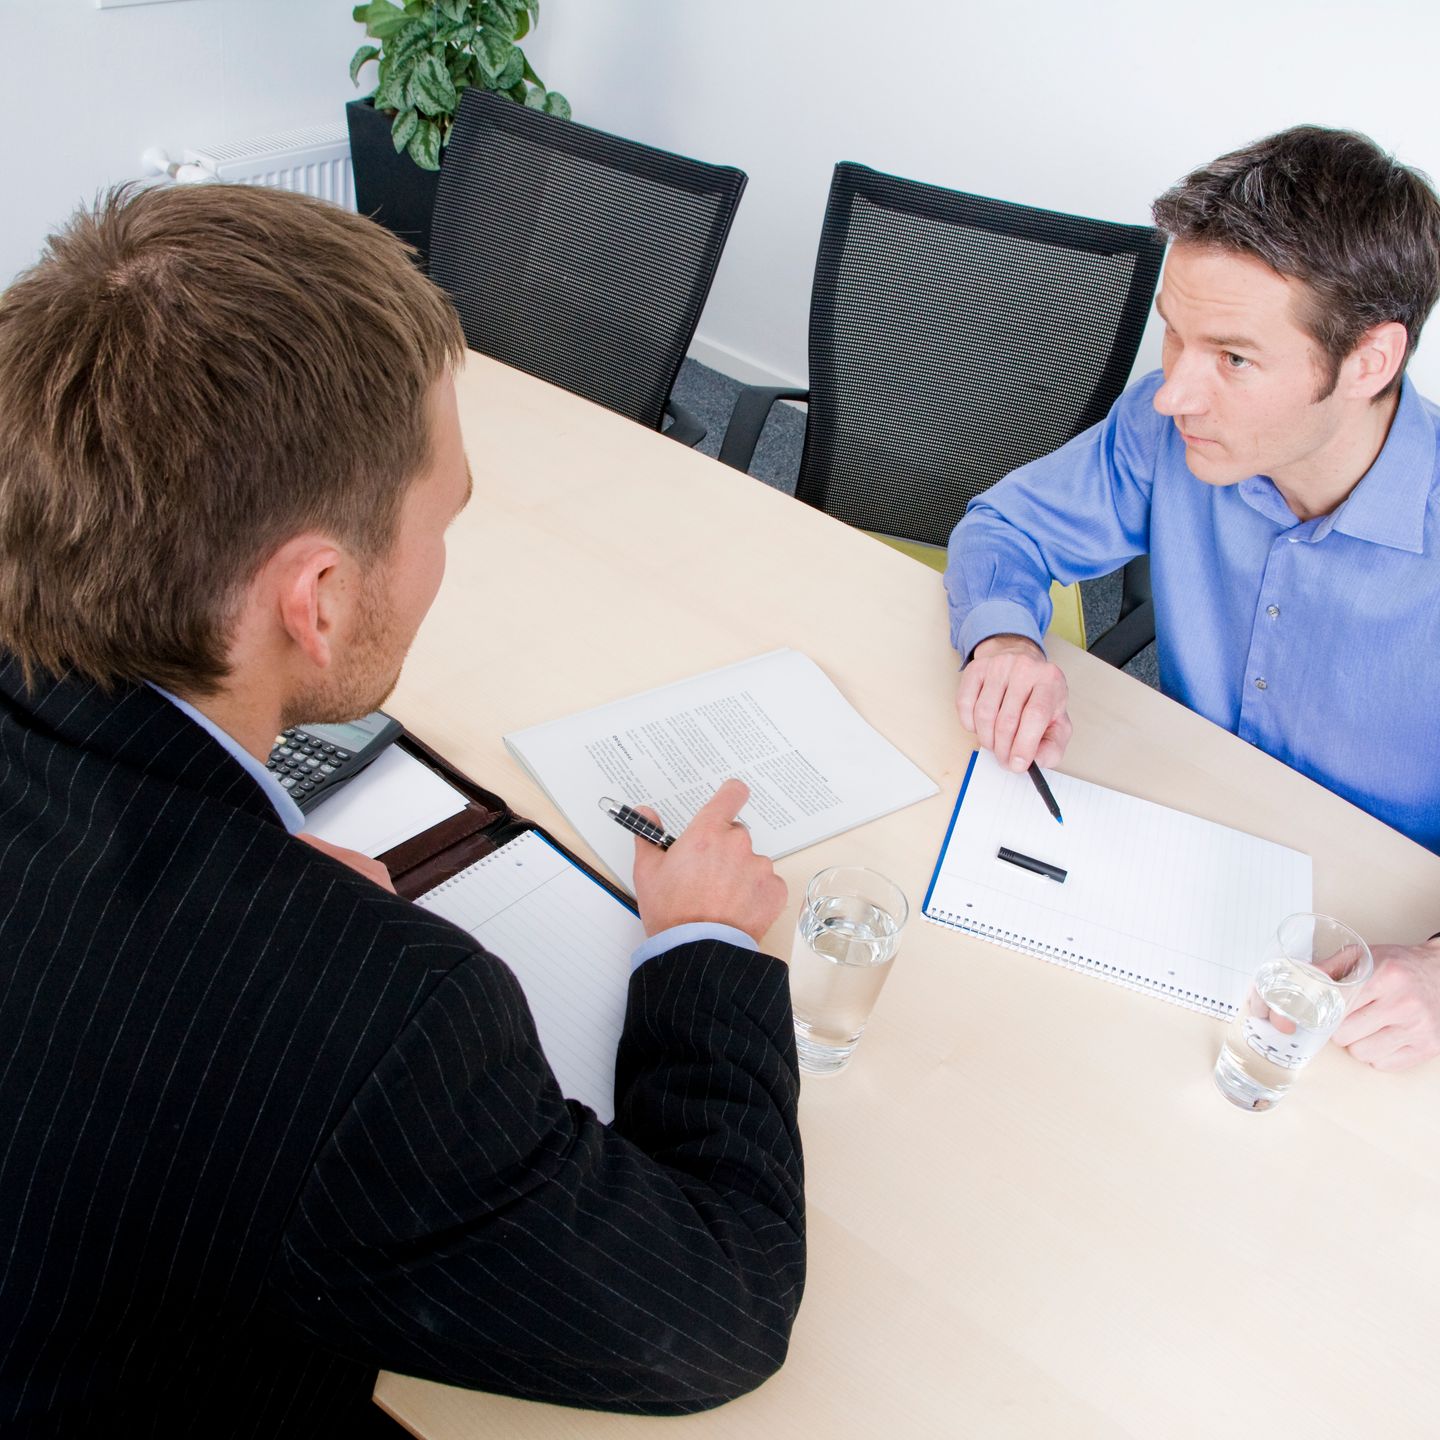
x: 1030, y: 1211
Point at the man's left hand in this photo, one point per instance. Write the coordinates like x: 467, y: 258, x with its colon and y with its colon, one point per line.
x: 372, y: 870
x: 1396, y: 1020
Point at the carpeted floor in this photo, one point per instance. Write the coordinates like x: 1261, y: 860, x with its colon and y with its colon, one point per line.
x: 711, y: 396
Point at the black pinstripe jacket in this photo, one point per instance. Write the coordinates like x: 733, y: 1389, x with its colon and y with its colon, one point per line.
x: 264, y: 1127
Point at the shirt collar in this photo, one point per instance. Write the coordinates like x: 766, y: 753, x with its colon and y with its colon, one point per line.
x: 285, y: 807
x: 1389, y: 505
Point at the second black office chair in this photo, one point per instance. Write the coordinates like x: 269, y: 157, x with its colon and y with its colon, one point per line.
x: 952, y: 339
x: 578, y: 256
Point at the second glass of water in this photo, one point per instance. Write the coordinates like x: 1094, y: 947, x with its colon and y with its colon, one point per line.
x: 846, y: 936
x: 1299, y: 995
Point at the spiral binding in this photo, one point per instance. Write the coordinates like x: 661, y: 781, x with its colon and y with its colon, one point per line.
x: 1086, y: 964
x: 479, y: 864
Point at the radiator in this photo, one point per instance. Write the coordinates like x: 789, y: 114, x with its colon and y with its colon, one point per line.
x: 314, y: 162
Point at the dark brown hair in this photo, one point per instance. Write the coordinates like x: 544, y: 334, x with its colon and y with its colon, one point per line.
x: 189, y: 376
x: 1331, y: 209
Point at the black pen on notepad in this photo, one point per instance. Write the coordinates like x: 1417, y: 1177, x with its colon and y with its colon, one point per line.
x: 636, y: 823
x: 1030, y: 863
x: 1039, y: 781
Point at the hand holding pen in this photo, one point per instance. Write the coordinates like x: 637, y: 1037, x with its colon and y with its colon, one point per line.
x: 636, y: 823
x: 709, y: 873
x: 1014, y: 701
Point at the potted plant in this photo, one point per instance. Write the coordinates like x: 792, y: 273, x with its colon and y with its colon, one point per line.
x: 428, y: 51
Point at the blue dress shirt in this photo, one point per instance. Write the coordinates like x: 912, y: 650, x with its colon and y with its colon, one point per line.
x: 294, y: 821
x: 1317, y: 641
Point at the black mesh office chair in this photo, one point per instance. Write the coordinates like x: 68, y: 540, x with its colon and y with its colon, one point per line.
x: 952, y: 339
x: 577, y: 256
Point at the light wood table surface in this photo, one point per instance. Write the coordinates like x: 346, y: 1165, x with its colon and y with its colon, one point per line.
x: 1030, y: 1211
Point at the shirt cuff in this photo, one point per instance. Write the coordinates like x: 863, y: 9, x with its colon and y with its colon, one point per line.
x: 684, y: 934
x: 995, y: 617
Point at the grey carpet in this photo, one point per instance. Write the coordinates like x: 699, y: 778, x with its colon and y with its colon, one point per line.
x: 711, y: 395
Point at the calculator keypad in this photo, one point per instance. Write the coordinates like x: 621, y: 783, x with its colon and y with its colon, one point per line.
x: 302, y: 763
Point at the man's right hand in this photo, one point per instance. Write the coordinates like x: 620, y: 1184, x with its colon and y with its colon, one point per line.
x: 709, y: 873
x: 1012, y: 699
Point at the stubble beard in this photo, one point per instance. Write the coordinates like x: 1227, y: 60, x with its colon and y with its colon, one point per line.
x: 370, y: 671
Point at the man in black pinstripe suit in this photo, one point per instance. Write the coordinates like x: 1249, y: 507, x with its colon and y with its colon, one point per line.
x: 264, y: 1126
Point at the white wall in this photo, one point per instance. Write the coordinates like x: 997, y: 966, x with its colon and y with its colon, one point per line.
x: 1092, y: 107
x: 88, y: 90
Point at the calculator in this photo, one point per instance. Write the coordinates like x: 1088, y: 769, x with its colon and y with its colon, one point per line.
x: 313, y: 761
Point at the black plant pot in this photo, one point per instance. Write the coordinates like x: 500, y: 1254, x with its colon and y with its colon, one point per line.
x: 390, y: 188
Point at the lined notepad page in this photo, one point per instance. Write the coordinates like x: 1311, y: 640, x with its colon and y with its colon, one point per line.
x: 1154, y: 898
x: 569, y: 942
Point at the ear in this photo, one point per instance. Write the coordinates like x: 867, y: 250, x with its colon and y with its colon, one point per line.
x: 1377, y: 359
x: 304, y: 580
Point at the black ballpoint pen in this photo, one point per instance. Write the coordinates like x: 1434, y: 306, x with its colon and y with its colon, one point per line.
x: 1044, y: 790
x: 635, y: 823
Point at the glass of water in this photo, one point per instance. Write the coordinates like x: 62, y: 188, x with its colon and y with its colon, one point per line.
x: 1309, y: 978
x: 846, y: 936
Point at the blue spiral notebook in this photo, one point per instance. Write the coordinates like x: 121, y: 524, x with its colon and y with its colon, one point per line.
x: 1154, y: 899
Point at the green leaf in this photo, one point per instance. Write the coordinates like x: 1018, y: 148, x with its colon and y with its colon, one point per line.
x: 425, y: 145
x: 430, y: 88
x: 404, y: 128
x: 493, y: 49
x: 513, y: 72
x: 556, y: 104
x: 458, y: 65
x: 390, y: 91
x: 467, y: 73
x: 532, y: 77
x: 456, y: 10
x: 497, y: 18
x: 518, y: 92
x: 522, y: 25
x: 363, y: 56
x: 410, y: 46
x: 381, y: 19
x: 534, y: 99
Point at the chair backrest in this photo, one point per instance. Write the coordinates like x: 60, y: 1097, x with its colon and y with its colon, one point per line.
x: 575, y: 255
x: 953, y: 338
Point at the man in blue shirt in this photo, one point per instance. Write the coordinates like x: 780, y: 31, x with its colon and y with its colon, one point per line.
x: 1281, y: 472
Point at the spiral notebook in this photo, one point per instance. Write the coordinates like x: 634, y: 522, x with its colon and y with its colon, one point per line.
x: 569, y: 942
x: 1152, y: 898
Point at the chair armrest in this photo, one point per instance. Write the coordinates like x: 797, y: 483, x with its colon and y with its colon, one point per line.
x: 1125, y: 639
x: 1134, y: 584
x: 747, y: 420
x: 685, y: 426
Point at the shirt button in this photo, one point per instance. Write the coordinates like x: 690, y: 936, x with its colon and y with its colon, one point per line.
x: 1272, y: 611
x: 1260, y: 682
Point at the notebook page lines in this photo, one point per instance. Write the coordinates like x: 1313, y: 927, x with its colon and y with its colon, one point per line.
x: 1170, y: 900
x: 569, y: 943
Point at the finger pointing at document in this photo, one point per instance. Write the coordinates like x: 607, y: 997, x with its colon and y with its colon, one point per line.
x: 711, y: 872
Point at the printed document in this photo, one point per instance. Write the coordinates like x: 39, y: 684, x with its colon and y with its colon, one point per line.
x: 815, y: 768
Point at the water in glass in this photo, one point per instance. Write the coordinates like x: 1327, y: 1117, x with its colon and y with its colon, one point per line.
x: 843, y: 948
x: 1291, y: 1010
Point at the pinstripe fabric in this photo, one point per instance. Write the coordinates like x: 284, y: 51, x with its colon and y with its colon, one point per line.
x: 264, y: 1128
